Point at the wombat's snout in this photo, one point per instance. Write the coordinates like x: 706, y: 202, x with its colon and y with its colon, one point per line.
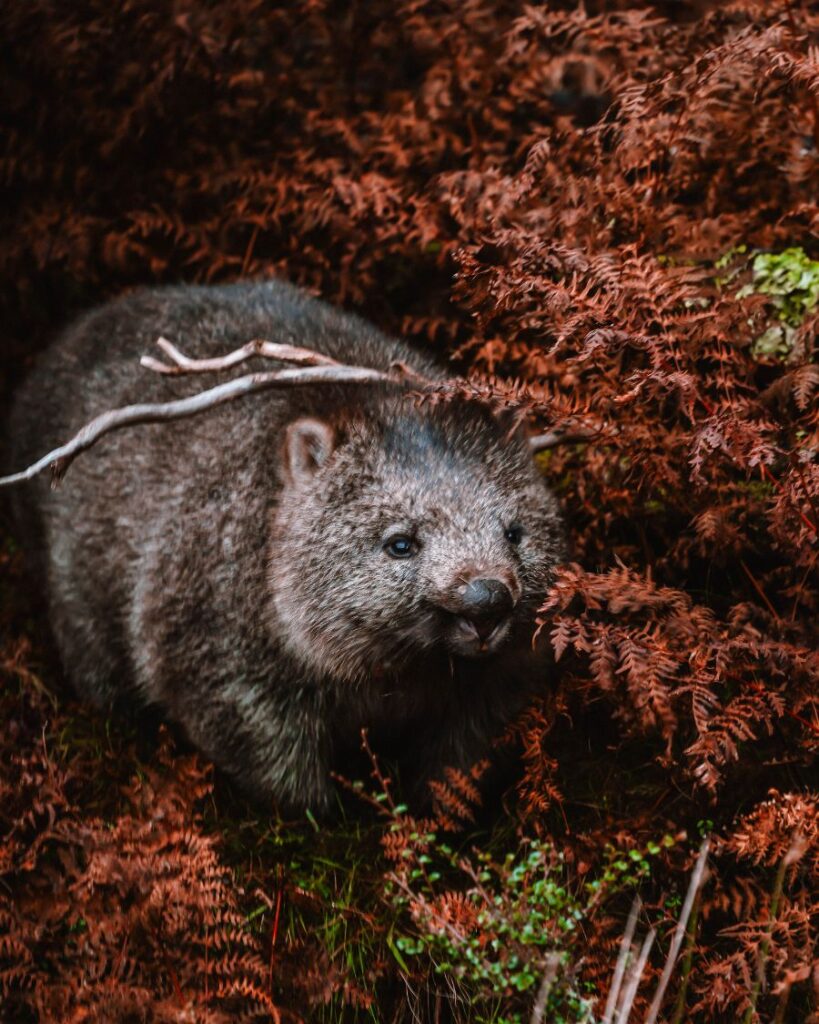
x: 486, y: 603
x: 482, y: 607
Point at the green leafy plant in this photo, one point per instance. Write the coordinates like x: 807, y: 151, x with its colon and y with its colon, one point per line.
x: 791, y: 278
x: 506, y: 931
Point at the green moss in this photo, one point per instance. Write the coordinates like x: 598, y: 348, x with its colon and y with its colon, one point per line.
x: 790, y: 278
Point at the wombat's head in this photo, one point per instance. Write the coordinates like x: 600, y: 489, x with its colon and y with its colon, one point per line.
x: 408, y: 529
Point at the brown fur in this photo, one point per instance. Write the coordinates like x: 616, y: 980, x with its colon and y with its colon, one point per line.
x: 231, y: 568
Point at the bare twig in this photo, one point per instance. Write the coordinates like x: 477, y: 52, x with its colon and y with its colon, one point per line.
x: 159, y: 412
x: 697, y: 878
x: 553, y: 438
x: 687, y: 960
x: 313, y: 368
x: 549, y: 975
x: 634, y: 978
x: 183, y: 364
x: 622, y: 958
x: 793, y: 856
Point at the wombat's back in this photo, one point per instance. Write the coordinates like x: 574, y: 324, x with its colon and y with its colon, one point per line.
x: 94, y: 364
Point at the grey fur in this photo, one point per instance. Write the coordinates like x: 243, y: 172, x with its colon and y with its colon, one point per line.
x: 230, y: 568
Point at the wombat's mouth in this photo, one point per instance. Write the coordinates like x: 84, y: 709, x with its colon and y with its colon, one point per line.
x: 471, y: 639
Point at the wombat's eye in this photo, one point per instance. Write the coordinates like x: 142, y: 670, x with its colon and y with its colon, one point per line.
x: 400, y: 546
x: 514, y: 534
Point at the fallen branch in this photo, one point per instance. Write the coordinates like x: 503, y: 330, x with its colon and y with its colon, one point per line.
x: 633, y: 979
x: 629, y: 969
x: 694, y: 886
x: 183, y: 364
x: 313, y: 368
x: 553, y: 438
x: 160, y: 412
x: 549, y: 976
x: 622, y: 958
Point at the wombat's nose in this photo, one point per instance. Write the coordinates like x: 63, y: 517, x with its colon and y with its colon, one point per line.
x: 485, y: 602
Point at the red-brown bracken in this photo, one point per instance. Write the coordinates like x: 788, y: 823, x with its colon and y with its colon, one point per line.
x: 579, y: 172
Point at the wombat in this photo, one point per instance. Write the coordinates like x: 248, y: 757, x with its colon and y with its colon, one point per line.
x: 282, y: 571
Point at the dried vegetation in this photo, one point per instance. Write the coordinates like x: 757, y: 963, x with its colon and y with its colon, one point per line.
x: 614, y: 206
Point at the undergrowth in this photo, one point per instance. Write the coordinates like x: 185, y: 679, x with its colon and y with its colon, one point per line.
x: 606, y: 214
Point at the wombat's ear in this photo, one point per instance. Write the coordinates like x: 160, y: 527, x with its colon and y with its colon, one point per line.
x: 307, y: 445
